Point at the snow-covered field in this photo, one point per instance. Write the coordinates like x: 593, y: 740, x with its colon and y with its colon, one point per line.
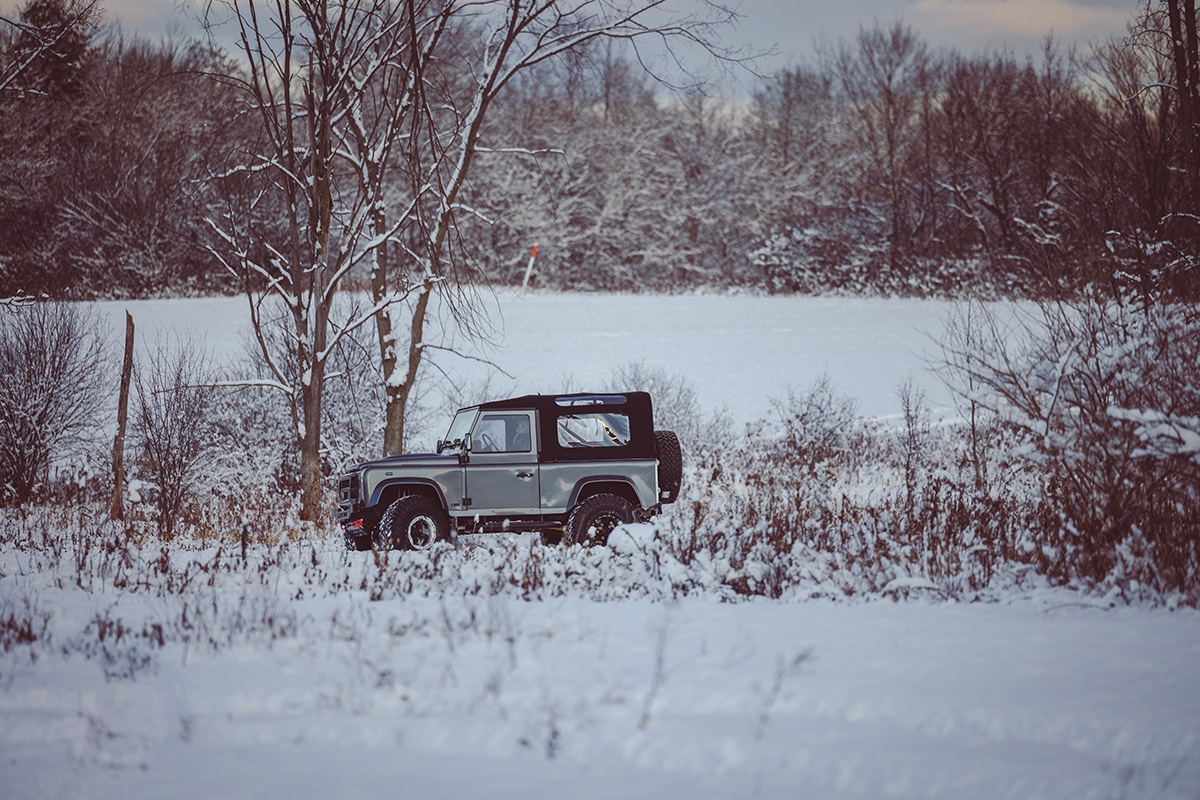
x: 739, y: 351
x: 1040, y: 697
x: 307, y: 672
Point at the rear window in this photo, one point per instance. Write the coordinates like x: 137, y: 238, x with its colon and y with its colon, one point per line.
x: 593, y: 430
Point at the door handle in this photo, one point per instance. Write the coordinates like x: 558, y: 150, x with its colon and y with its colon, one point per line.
x: 524, y: 475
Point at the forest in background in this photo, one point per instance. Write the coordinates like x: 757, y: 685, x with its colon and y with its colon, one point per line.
x: 881, y: 166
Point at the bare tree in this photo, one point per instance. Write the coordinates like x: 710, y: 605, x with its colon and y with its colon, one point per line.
x: 443, y: 124
x: 347, y: 93
x: 53, y: 385
x: 807, y: 172
x: 1185, y: 53
x: 981, y: 124
x: 881, y: 74
x: 172, y: 426
x: 614, y: 182
x: 132, y: 215
x: 299, y: 212
x: 1095, y: 390
x: 1004, y: 131
x: 1143, y: 180
x: 798, y: 126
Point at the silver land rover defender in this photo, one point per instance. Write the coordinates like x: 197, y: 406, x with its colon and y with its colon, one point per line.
x: 570, y: 466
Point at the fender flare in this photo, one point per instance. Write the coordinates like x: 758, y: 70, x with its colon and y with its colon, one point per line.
x: 424, y: 483
x: 594, y: 479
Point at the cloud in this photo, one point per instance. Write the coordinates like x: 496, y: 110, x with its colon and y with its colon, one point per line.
x: 1066, y: 18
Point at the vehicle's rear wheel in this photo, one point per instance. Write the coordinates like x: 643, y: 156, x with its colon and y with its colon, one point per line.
x: 590, y: 522
x: 670, y: 465
x: 412, y: 522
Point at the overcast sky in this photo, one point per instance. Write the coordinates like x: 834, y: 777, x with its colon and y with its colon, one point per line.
x: 969, y: 25
x: 792, y: 26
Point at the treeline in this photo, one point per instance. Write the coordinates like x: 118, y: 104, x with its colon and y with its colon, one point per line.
x: 883, y: 166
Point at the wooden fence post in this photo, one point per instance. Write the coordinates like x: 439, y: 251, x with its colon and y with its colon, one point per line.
x: 118, y: 494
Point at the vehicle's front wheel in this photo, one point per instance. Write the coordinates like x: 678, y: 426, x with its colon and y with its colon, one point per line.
x: 593, y: 520
x: 412, y: 522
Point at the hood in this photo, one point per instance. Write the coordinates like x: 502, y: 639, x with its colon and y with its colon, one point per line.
x: 409, y: 459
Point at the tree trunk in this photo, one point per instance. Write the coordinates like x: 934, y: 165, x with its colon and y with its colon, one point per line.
x: 415, y: 351
x: 393, y: 429
x: 310, y: 450
x: 312, y: 323
x: 1182, y: 16
x: 397, y: 401
x: 117, y: 511
x: 1193, y: 89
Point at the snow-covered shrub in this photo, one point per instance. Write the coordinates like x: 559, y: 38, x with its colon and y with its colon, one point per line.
x: 1083, y: 386
x: 1152, y: 268
x: 255, y: 418
x: 21, y: 622
x: 818, y: 501
x: 173, y: 430
x: 850, y: 256
x: 822, y: 257
x: 812, y: 501
x: 54, y: 381
x: 815, y: 427
x: 256, y: 458
x: 914, y: 437
x: 353, y: 409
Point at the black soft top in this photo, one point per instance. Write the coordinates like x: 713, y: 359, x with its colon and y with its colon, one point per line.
x: 635, y: 405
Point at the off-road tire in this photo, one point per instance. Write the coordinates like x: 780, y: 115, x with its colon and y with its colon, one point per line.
x: 670, y: 465
x: 590, y: 522
x: 412, y: 522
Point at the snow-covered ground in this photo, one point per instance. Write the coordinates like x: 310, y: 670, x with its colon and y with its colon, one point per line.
x: 308, y: 673
x: 1038, y: 697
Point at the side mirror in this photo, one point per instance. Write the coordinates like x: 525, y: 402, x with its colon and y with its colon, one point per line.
x: 466, y: 442
x: 441, y: 446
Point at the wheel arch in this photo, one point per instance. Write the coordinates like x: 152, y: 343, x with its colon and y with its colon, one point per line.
x: 388, y: 492
x: 604, y: 484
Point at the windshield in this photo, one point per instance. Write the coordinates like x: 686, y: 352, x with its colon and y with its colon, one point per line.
x: 460, y: 427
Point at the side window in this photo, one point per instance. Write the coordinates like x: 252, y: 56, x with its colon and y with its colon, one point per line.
x: 593, y: 430
x: 502, y: 433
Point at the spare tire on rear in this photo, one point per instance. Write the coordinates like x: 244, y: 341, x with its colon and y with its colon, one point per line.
x: 670, y: 465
